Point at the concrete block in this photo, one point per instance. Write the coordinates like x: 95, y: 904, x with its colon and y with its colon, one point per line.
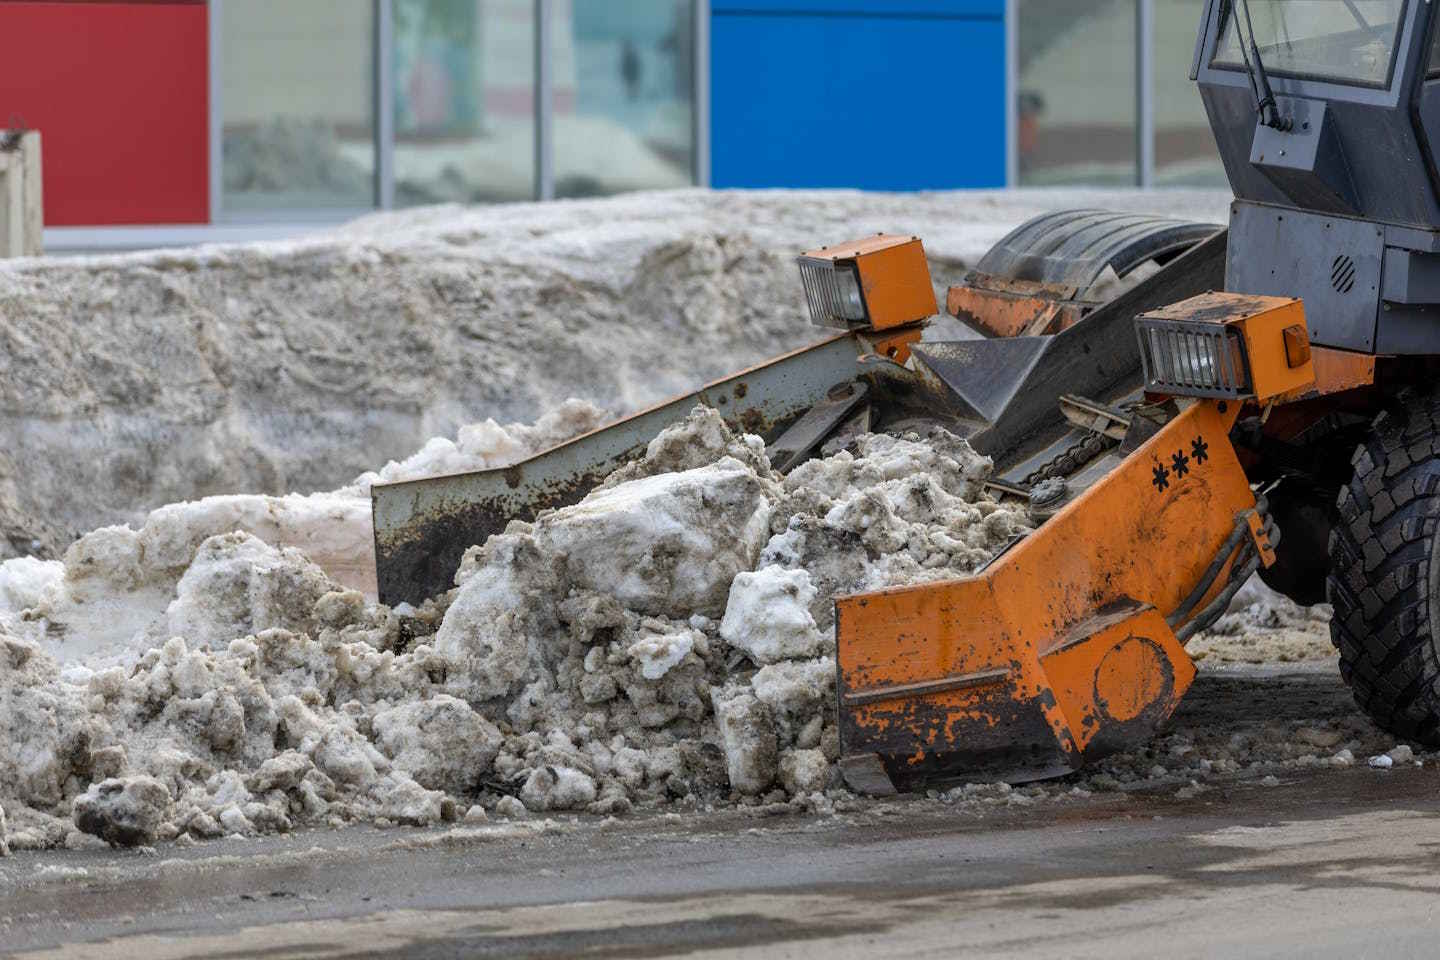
x: 21, y: 200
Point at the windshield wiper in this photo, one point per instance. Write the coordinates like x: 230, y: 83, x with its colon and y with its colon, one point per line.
x: 1259, y: 80
x: 1359, y: 17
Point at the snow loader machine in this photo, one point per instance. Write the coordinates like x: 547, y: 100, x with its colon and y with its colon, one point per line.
x: 1274, y: 375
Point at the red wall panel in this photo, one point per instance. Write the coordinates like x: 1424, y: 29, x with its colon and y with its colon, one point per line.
x: 118, y: 92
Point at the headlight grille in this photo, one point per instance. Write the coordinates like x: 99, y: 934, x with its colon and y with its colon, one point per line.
x: 1193, y: 360
x: 832, y: 291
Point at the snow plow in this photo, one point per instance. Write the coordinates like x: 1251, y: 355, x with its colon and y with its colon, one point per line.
x: 1276, y: 375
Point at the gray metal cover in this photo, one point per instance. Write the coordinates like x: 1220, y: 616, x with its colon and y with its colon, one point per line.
x: 1075, y: 246
x: 1331, y: 263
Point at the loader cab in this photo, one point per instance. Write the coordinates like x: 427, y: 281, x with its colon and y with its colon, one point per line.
x: 1350, y: 82
x: 1337, y: 189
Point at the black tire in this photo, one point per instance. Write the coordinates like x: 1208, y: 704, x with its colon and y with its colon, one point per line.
x: 1383, y: 574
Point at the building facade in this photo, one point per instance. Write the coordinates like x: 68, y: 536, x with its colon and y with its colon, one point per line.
x: 183, y: 120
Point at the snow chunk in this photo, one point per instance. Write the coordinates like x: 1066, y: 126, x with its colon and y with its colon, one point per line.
x: 658, y: 652
x: 39, y: 718
x: 441, y: 742
x: 481, y: 446
x: 283, y: 772
x: 795, y: 687
x: 768, y: 615
x: 402, y: 800
x: 511, y: 809
x: 26, y: 581
x: 124, y: 812
x: 803, y: 771
x: 667, y: 545
x: 239, y: 585
x: 500, y: 615
x: 557, y: 788
x: 699, y: 440
x: 747, y: 734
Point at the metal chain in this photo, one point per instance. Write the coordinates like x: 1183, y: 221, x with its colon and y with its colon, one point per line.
x: 1073, y: 458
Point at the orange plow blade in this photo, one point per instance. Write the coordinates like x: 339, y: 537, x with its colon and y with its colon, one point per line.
x: 1064, y: 648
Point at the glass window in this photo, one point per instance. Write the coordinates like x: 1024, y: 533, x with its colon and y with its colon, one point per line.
x: 624, y: 82
x: 1433, y: 69
x: 1185, y: 153
x: 1077, y: 91
x: 1346, y: 40
x: 464, y: 100
x: 297, y: 99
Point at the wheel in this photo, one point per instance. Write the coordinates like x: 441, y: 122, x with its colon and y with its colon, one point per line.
x: 1384, y: 581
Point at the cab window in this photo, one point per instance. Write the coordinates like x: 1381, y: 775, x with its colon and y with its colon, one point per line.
x: 1344, y: 41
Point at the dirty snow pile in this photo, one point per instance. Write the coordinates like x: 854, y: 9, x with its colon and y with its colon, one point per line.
x: 670, y: 638
x: 1262, y: 626
x: 111, y: 592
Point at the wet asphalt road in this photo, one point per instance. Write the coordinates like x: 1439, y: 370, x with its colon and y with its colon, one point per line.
x: 1341, y: 863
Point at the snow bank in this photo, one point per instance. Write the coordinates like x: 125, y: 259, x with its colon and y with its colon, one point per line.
x: 170, y: 376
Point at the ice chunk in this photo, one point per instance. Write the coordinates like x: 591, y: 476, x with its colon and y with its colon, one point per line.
x: 557, y: 788
x: 796, y: 688
x: 658, y: 652
x: 124, y: 812
x: 869, y: 515
x: 511, y: 809
x: 441, y: 742
x: 401, y: 799
x: 803, y: 771
x: 501, y: 615
x: 26, y: 581
x: 699, y: 440
x: 38, y: 715
x: 768, y: 615
x: 667, y: 545
x: 282, y: 772
x: 747, y: 733
x: 239, y: 585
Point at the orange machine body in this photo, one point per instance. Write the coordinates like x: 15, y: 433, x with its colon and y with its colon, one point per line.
x: 1064, y: 648
x: 1005, y: 307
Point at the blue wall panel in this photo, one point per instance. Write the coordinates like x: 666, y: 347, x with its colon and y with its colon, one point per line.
x: 858, y: 93
x: 894, y: 8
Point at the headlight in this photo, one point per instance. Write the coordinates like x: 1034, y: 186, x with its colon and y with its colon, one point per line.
x: 852, y: 304
x: 881, y: 281
x: 1225, y: 345
x: 833, y: 292
x: 1192, y: 359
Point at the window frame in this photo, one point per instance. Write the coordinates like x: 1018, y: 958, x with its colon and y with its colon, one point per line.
x: 1228, y: 9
